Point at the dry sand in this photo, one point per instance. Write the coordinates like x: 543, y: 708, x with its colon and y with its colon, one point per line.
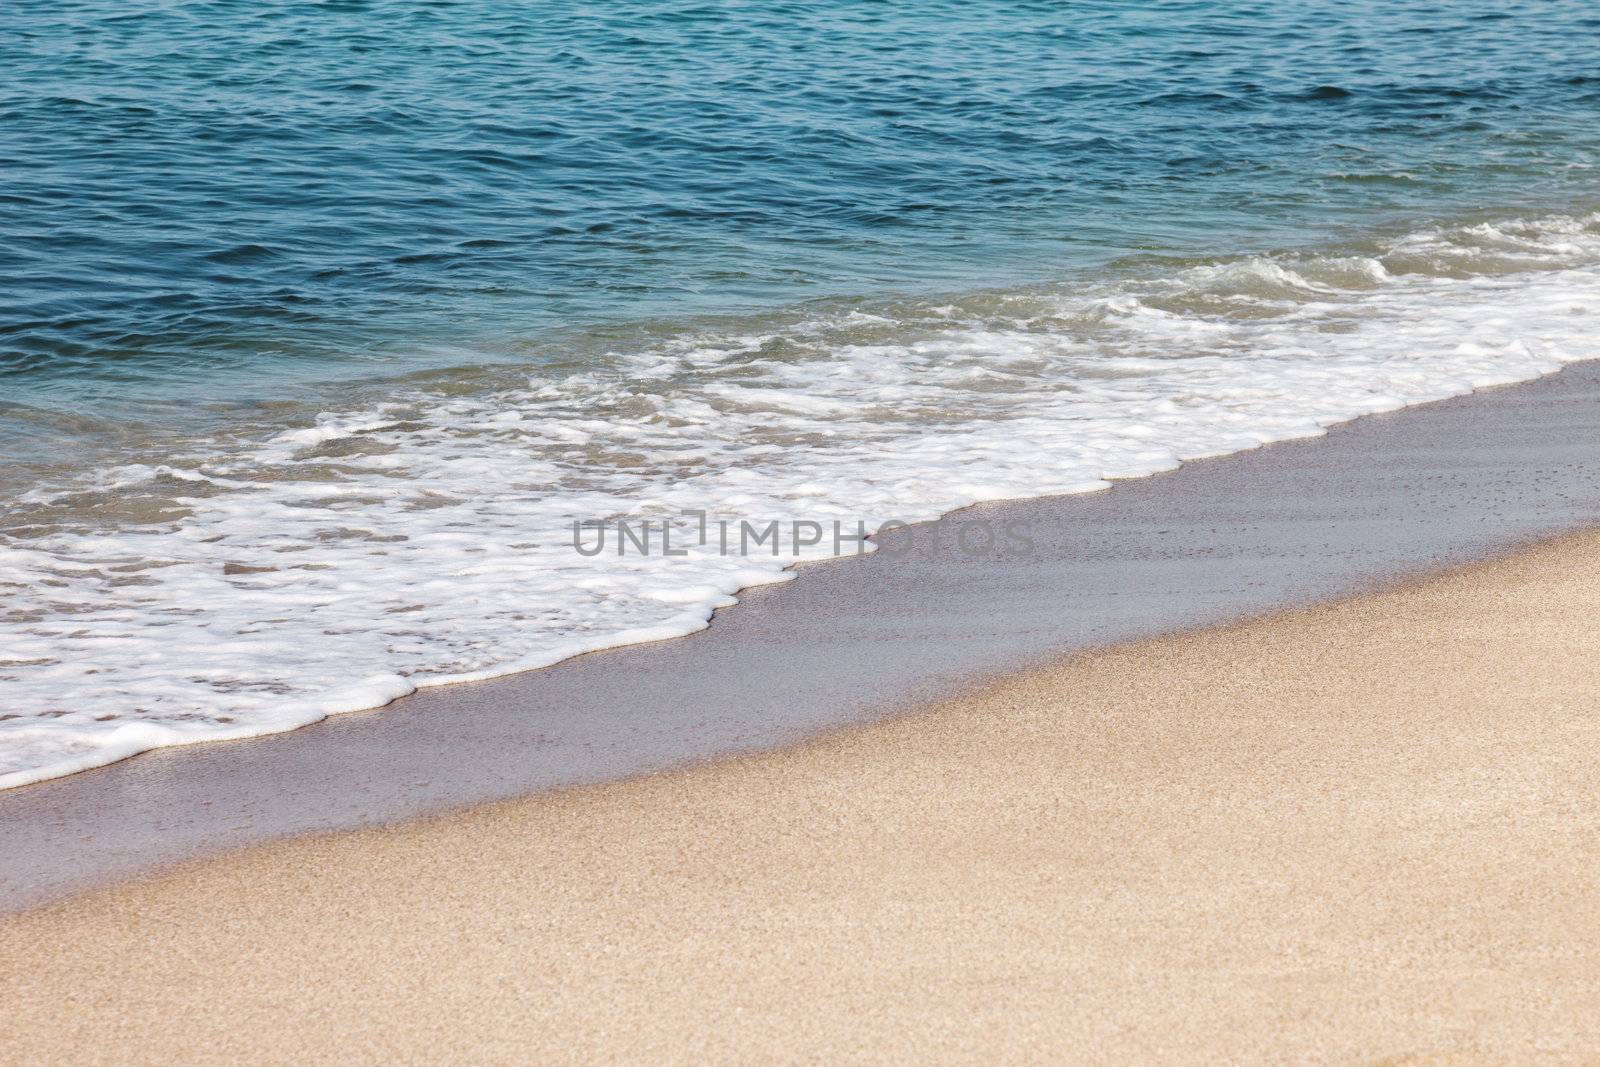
x: 1365, y: 832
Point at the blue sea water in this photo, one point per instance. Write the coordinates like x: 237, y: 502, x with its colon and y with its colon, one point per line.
x: 223, y: 197
x: 320, y: 320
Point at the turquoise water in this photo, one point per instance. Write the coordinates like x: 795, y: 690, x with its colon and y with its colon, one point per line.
x: 225, y: 200
x: 323, y: 323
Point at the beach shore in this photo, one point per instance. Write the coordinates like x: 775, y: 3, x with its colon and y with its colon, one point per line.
x: 1358, y: 832
x: 1380, y: 500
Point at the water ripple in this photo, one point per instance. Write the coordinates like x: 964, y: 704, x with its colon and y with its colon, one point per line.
x: 195, y: 185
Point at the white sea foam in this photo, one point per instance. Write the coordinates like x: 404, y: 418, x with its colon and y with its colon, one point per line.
x: 247, y: 585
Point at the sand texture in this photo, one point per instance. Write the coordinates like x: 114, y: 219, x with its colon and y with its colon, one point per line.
x: 1364, y: 832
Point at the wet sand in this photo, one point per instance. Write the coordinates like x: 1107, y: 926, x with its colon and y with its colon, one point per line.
x: 850, y: 642
x: 1361, y: 832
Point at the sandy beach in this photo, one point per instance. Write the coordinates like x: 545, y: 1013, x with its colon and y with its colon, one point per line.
x: 1360, y: 832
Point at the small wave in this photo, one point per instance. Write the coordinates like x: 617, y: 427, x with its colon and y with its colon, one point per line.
x: 250, y: 582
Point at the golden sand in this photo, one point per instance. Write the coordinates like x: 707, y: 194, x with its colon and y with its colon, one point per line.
x: 1365, y: 832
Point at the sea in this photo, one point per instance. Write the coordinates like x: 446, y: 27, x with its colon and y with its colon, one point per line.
x: 336, y: 336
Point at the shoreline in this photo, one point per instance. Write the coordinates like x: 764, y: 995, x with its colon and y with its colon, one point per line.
x: 427, y: 579
x: 1354, y: 831
x: 1374, y: 501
